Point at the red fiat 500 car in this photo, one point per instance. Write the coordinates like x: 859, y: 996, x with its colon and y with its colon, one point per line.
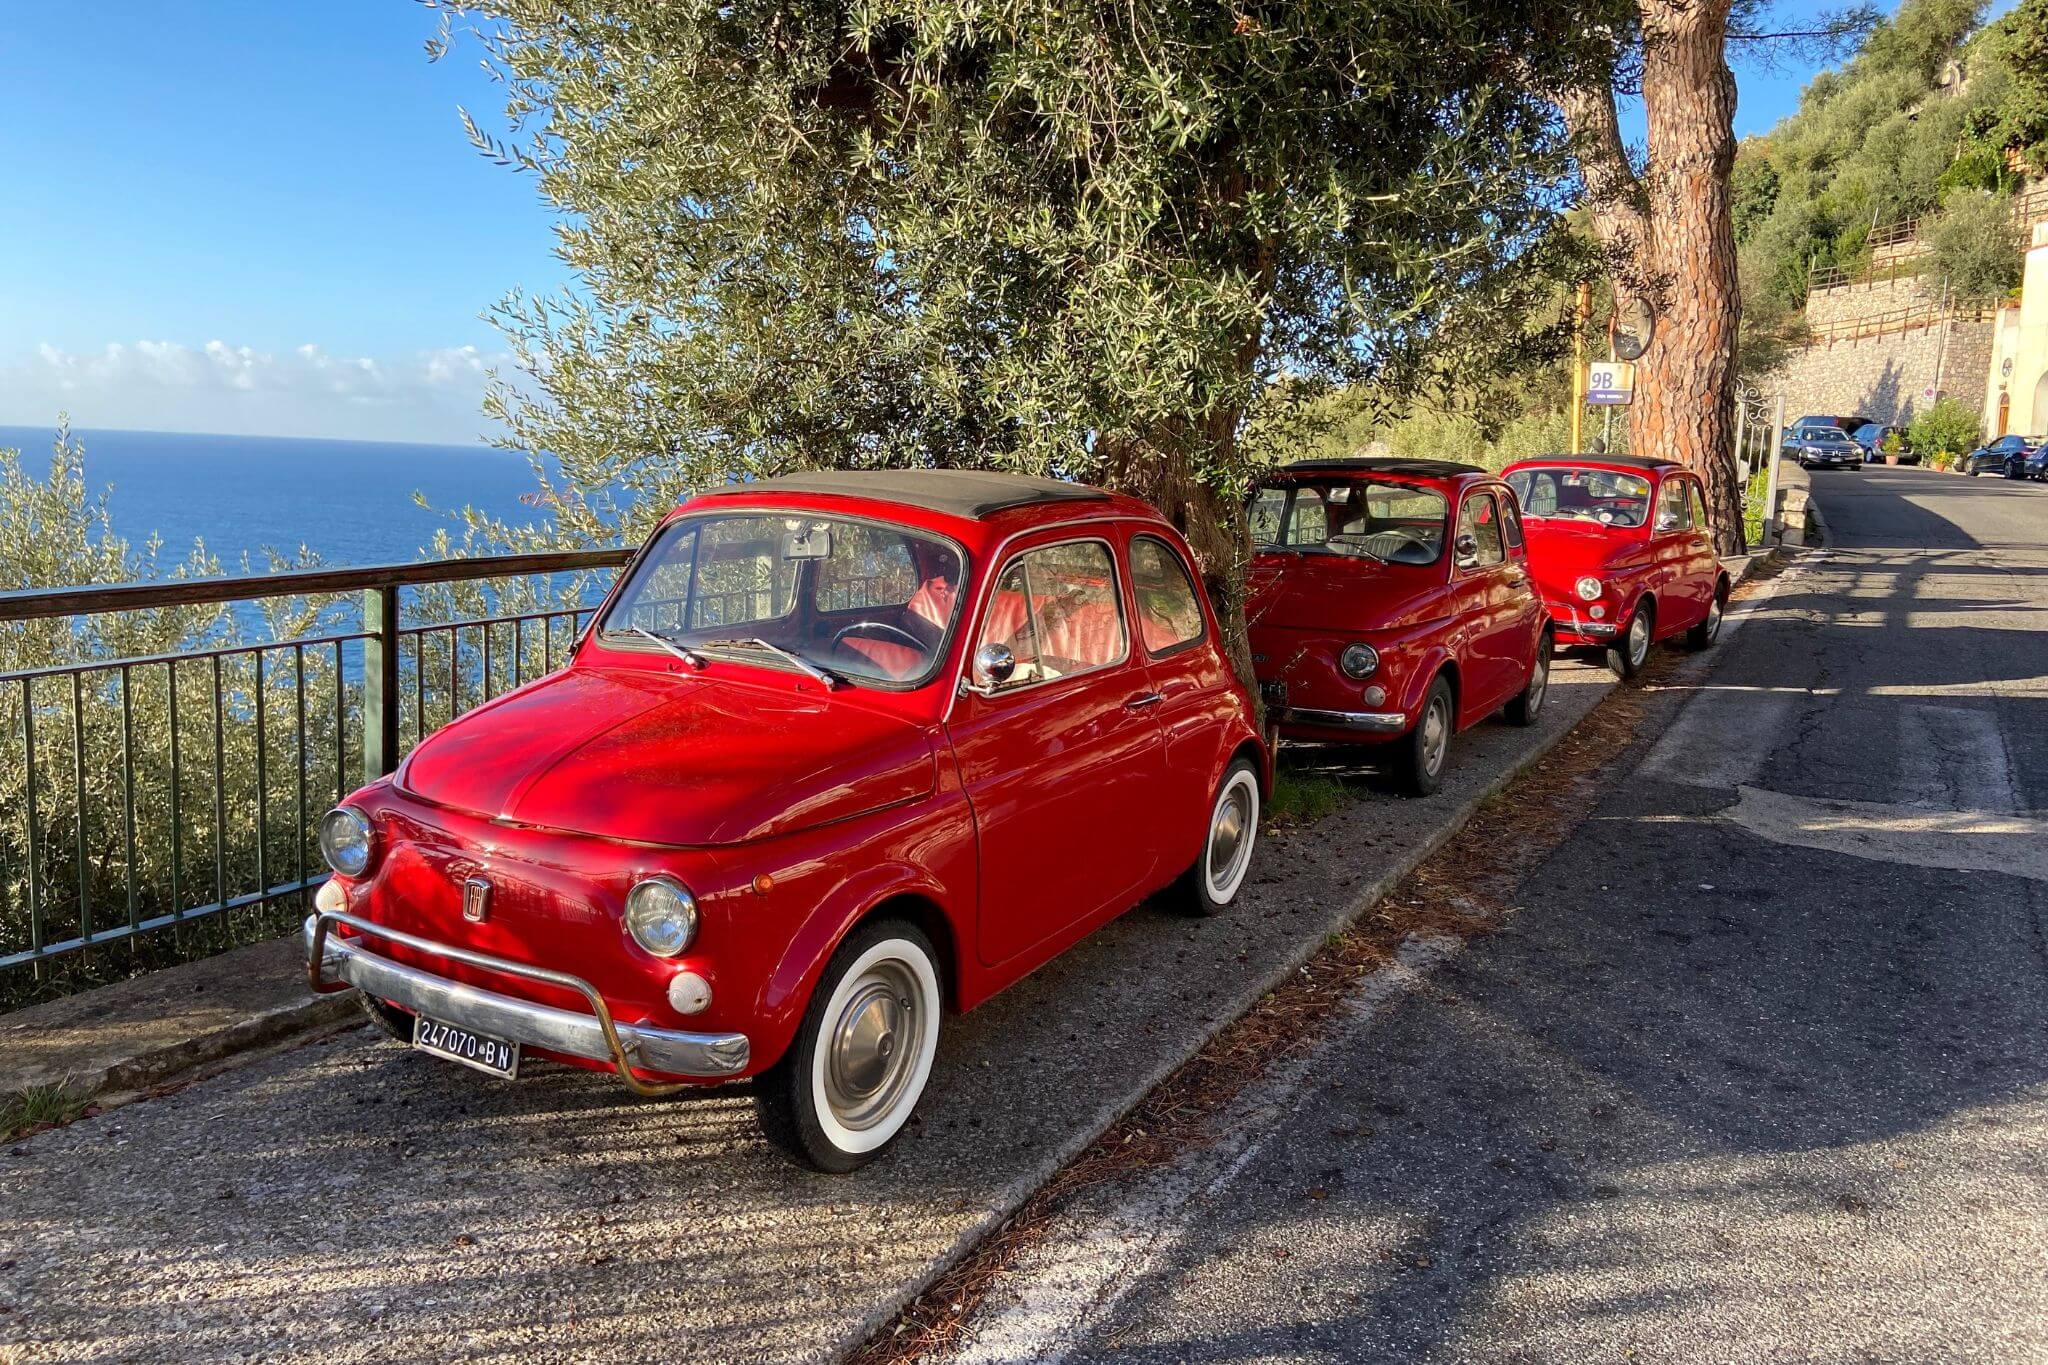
x: 1373, y: 621
x: 1622, y: 551
x: 839, y: 752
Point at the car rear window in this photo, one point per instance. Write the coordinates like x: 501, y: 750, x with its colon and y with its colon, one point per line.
x: 1395, y: 523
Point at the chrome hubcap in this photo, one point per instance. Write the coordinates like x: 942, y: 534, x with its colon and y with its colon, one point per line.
x: 1638, y: 638
x: 1228, y: 844
x: 1436, y: 733
x: 1714, y: 618
x: 1540, y: 679
x: 873, y: 1045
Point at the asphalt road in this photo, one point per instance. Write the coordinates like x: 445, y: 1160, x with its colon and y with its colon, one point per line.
x: 352, y: 1200
x: 1759, y: 1071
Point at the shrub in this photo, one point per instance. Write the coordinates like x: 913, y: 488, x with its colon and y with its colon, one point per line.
x: 1977, y: 244
x: 1947, y: 428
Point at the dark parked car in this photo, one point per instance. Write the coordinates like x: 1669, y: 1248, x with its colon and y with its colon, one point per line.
x: 1825, y: 448
x: 1872, y: 436
x: 2036, y: 461
x: 1803, y: 425
x: 2007, y: 456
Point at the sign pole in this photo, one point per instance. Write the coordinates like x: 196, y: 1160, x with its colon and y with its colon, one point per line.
x: 1583, y: 311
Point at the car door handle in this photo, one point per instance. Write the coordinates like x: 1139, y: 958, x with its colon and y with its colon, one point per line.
x: 1145, y: 699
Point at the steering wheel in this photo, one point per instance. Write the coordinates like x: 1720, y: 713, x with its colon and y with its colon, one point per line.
x: 908, y: 638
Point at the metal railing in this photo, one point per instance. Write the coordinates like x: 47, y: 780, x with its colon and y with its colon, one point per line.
x: 1897, y: 320
x: 149, y: 791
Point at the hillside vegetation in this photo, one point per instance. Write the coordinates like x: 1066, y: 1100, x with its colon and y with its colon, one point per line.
x: 1935, y: 118
x: 1877, y: 141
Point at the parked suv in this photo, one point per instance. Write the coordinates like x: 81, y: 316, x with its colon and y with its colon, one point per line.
x: 1872, y: 436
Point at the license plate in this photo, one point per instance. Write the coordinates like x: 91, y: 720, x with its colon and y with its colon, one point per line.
x: 480, y: 1050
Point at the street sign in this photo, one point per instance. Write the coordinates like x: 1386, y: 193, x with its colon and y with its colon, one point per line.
x: 1610, y: 383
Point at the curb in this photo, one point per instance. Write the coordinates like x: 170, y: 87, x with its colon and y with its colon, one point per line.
x: 1018, y: 1192
x: 118, y: 1042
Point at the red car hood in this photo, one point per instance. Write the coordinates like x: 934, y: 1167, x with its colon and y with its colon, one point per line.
x: 1335, y: 592
x: 663, y: 758
x: 1562, y: 552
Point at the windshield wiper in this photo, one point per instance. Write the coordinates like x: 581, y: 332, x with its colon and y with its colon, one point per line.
x: 830, y: 680
x: 690, y: 657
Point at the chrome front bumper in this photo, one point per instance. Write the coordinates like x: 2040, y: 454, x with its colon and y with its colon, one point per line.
x: 1373, y: 722
x: 334, y: 964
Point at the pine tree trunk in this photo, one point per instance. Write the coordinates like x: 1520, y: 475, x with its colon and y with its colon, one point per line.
x: 1685, y: 382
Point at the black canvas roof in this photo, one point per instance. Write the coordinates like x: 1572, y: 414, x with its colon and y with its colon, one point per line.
x: 1429, y: 469
x: 1625, y: 461
x: 957, y: 492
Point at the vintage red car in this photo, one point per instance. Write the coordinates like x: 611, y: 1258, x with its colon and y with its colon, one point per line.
x: 1623, y: 552
x: 840, y: 751
x: 1372, y: 622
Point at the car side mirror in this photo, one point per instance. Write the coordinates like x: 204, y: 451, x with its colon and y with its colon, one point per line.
x: 994, y: 665
x: 1667, y: 522
x: 1466, y: 547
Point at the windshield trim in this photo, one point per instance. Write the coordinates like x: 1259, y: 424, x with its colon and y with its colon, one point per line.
x: 941, y: 652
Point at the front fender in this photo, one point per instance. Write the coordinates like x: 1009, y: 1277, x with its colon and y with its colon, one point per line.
x: 835, y: 909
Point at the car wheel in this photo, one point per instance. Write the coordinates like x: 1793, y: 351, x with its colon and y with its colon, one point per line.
x: 1709, y: 630
x: 1631, y: 648
x: 387, y: 1019
x: 1211, y: 885
x: 861, y: 1056
x: 1528, y: 703
x: 1424, y: 752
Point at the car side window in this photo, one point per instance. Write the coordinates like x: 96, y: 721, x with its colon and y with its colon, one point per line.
x: 1699, y: 503
x: 1480, y: 519
x: 1671, y: 510
x: 1510, y: 523
x: 1057, y: 610
x: 1169, y: 613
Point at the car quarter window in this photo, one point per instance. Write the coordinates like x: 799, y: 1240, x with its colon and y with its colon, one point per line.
x: 1169, y: 613
x: 1672, y: 514
x: 1058, y: 612
x: 1698, y: 501
x: 1510, y: 522
x: 1480, y: 519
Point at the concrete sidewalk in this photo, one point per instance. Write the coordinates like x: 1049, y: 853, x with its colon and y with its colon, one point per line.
x: 350, y: 1198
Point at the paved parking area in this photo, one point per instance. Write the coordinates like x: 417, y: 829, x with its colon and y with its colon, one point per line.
x: 350, y: 1200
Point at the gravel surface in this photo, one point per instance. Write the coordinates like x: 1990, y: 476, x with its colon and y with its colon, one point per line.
x: 351, y: 1200
x: 1715, y: 1092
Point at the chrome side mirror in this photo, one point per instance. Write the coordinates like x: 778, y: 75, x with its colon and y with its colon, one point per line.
x: 1668, y: 522
x: 993, y: 666
x: 1466, y: 547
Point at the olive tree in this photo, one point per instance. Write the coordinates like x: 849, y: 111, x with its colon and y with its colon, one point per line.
x: 1113, y: 241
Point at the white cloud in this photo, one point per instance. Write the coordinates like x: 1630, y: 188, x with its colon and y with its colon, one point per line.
x: 429, y: 395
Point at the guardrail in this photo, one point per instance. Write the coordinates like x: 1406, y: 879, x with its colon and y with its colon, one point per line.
x: 155, y: 791
x: 1896, y: 320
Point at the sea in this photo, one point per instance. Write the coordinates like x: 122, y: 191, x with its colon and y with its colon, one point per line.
x: 353, y: 502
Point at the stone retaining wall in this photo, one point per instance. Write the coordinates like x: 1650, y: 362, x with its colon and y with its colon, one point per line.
x: 1886, y: 378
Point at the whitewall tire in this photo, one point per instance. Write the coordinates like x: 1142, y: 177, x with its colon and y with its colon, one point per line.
x: 863, y: 1053
x: 1228, y: 841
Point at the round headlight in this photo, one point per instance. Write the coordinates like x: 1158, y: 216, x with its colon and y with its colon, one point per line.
x: 345, y: 841
x: 1358, y: 661
x: 661, y: 915
x: 1588, y: 589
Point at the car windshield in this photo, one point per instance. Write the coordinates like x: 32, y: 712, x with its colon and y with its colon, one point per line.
x: 1826, y: 434
x: 1571, y: 493
x: 1393, y: 523
x: 863, y: 601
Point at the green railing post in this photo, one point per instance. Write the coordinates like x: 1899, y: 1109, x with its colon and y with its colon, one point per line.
x: 380, y: 681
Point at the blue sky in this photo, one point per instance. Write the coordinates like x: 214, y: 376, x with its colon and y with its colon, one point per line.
x: 264, y: 218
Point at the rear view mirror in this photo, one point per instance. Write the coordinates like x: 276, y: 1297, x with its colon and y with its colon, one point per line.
x: 813, y: 541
